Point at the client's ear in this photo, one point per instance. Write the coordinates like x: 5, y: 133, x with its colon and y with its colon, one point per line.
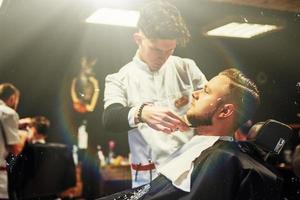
x: 137, y: 38
x: 226, y: 111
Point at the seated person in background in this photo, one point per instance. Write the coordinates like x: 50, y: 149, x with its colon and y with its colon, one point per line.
x: 213, y: 166
x: 38, y: 129
x: 43, y: 170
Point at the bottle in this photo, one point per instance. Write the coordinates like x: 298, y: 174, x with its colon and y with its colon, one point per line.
x: 82, y: 136
x: 75, y: 154
x: 101, y: 156
x: 111, y: 153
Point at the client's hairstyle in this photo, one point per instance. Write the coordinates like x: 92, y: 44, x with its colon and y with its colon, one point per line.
x: 161, y: 20
x: 7, y: 90
x: 244, y: 93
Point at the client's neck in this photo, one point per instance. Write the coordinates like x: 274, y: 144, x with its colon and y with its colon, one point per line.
x: 214, y: 130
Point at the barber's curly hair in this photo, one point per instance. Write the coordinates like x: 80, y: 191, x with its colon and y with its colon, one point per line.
x: 245, y: 94
x: 162, y: 20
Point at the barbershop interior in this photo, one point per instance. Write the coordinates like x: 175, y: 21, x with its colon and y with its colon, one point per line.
x: 65, y: 57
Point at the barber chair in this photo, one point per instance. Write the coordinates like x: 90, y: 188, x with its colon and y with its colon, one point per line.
x: 269, y: 136
x: 42, y: 171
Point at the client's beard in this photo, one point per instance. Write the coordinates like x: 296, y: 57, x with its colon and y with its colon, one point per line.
x: 196, y: 121
x: 202, y: 120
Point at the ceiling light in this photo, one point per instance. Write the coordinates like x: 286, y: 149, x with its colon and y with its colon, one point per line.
x: 115, y: 17
x: 241, y: 30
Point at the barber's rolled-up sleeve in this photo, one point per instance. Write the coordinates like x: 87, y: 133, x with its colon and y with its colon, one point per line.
x: 115, y: 90
x: 117, y: 115
x: 10, y: 122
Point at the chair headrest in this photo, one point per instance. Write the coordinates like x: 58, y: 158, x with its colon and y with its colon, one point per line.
x: 270, y: 135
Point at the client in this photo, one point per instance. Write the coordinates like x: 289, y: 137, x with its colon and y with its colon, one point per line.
x: 213, y: 165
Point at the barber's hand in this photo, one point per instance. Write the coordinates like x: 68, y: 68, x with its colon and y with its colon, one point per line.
x: 163, y: 119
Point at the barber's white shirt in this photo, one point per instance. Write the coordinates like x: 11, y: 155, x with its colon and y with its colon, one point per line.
x: 10, y: 120
x: 135, y: 84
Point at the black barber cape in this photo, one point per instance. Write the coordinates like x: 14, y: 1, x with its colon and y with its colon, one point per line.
x: 225, y: 171
x: 43, y: 170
